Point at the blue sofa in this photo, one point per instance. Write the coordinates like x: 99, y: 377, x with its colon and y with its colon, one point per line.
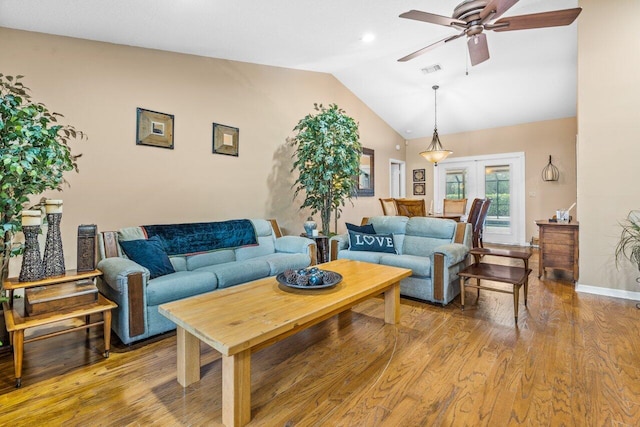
x: 138, y: 296
x: 434, y: 249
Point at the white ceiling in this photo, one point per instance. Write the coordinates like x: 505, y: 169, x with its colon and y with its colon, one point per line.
x: 531, y: 75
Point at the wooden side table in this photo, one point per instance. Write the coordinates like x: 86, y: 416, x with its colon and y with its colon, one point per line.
x: 17, y: 320
x: 558, y: 246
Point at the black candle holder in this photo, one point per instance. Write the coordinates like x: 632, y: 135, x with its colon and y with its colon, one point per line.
x: 53, y: 254
x: 31, y: 269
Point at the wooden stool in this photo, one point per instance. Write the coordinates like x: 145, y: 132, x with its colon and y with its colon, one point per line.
x: 517, y: 276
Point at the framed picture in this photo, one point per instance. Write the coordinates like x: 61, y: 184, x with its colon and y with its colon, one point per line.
x: 418, y: 189
x: 154, y: 128
x: 418, y: 175
x: 225, y: 140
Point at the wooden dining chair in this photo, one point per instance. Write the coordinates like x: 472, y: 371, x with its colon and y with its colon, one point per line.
x: 410, y: 207
x: 455, y: 206
x: 388, y: 207
x: 472, y: 218
x: 478, y: 228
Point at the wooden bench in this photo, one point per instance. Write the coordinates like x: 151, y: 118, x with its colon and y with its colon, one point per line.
x: 516, y: 276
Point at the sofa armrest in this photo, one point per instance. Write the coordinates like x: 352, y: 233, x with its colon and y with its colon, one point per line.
x: 453, y: 252
x: 116, y: 271
x: 297, y: 245
x: 126, y: 283
x: 336, y: 244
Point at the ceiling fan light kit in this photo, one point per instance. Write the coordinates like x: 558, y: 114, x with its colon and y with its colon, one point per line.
x: 474, y: 16
x: 435, y: 152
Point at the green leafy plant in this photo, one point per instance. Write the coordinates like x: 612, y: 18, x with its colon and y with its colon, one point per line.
x: 628, y: 246
x: 328, y: 161
x: 35, y: 155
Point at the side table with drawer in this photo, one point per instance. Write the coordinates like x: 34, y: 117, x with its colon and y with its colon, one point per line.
x: 558, y: 246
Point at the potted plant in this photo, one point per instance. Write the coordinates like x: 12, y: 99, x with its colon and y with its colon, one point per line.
x: 628, y: 246
x: 328, y: 161
x: 34, y: 157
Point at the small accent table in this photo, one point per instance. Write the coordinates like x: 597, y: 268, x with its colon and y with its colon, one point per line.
x: 322, y: 247
x: 17, y: 320
x: 517, y: 276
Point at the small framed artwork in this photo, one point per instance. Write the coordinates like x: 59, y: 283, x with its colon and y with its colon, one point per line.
x: 154, y: 128
x: 418, y: 175
x: 418, y: 189
x: 225, y: 140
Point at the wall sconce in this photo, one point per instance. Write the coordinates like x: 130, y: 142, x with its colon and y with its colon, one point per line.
x: 550, y: 172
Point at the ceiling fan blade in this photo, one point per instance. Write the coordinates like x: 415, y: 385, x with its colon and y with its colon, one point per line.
x: 431, y: 46
x: 478, y: 48
x: 497, y: 6
x: 555, y: 18
x: 432, y: 18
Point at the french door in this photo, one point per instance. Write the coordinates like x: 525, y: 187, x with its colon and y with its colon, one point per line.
x: 500, y: 177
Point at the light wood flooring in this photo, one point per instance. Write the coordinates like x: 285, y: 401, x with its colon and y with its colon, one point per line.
x: 573, y: 360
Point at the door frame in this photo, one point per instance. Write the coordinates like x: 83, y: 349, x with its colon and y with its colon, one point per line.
x: 403, y: 177
x: 518, y: 186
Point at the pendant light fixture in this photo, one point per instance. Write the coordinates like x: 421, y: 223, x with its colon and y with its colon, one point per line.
x: 435, y: 153
x: 550, y: 172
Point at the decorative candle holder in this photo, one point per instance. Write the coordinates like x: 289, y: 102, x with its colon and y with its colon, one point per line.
x: 31, y: 269
x: 53, y: 255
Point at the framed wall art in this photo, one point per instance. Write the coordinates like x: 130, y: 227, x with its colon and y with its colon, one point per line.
x: 154, y: 128
x: 418, y: 175
x: 418, y: 189
x: 225, y: 140
x: 366, y: 177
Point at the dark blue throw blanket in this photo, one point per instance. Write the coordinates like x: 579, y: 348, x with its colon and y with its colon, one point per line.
x: 188, y: 239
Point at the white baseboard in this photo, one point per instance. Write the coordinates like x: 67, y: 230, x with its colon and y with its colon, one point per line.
x: 608, y: 292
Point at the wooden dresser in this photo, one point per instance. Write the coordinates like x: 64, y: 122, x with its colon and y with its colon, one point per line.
x: 558, y: 246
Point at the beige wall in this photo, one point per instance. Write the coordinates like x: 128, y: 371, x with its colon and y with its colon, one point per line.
x: 97, y: 86
x: 537, y: 140
x: 608, y: 137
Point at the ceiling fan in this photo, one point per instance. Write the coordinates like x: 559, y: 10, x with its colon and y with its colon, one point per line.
x: 475, y: 16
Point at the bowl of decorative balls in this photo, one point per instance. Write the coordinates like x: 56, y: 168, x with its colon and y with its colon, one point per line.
x: 309, y: 278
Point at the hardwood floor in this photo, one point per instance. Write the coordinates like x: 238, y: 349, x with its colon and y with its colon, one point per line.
x: 573, y: 359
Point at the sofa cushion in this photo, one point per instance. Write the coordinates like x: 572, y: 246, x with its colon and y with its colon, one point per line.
x: 234, y: 273
x: 178, y: 285
x: 421, y: 266
x: 280, y: 262
x: 149, y: 253
x: 367, y: 228
x: 389, y: 224
x: 371, y: 242
x: 373, y: 257
x: 195, y: 262
x: 266, y: 246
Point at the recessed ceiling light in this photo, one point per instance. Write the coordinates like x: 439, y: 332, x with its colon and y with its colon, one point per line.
x: 408, y: 131
x: 368, y: 37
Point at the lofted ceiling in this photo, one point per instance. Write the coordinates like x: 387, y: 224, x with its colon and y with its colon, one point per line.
x: 531, y: 75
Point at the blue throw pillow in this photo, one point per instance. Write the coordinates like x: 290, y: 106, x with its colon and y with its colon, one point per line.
x: 371, y: 242
x: 367, y: 228
x: 149, y: 253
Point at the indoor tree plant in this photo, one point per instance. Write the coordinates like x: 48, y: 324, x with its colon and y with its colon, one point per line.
x: 35, y: 155
x: 327, y: 154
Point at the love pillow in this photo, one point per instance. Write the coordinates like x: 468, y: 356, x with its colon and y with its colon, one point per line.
x: 371, y: 242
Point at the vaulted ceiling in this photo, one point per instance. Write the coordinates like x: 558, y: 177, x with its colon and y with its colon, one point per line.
x: 531, y: 75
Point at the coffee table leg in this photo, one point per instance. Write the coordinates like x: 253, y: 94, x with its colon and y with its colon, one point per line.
x: 236, y: 389
x: 188, y: 358
x: 462, y: 281
x: 516, y: 295
x: 392, y: 304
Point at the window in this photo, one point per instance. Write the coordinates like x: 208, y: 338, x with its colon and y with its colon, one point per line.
x: 455, y: 184
x: 497, y: 188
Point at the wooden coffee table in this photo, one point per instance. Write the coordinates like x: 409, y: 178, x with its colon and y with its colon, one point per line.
x: 240, y: 320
